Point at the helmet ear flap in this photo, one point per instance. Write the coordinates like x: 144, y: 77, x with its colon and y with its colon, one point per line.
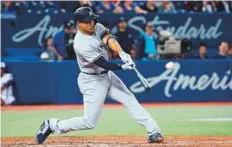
x: 95, y: 21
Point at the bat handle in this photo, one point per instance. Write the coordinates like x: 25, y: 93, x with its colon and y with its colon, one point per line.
x: 136, y: 70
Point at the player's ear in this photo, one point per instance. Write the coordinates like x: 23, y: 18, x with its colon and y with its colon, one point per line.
x: 78, y: 23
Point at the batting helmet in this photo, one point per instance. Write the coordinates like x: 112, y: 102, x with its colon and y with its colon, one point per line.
x: 84, y: 14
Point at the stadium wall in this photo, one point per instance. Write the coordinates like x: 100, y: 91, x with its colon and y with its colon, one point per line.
x: 192, y: 81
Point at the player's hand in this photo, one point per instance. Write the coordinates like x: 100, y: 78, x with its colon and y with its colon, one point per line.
x: 126, y: 58
x: 133, y: 64
x: 128, y: 66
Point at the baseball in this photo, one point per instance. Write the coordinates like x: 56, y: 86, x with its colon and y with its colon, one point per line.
x: 170, y: 65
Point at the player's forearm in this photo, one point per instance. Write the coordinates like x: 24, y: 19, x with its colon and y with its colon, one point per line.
x: 113, y: 44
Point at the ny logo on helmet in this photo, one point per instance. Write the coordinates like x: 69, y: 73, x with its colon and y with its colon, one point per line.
x: 90, y: 13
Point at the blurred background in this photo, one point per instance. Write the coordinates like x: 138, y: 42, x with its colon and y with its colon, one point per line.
x: 38, y: 62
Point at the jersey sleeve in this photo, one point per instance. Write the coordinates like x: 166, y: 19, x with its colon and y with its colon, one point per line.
x: 101, y: 30
x: 90, y: 53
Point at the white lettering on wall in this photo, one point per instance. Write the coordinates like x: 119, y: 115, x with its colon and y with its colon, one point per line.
x: 186, y: 30
x: 175, y: 81
x: 42, y: 27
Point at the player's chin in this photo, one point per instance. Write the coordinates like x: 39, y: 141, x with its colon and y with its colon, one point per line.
x: 91, y: 31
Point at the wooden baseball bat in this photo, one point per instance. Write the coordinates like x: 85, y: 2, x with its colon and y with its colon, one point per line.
x: 144, y: 82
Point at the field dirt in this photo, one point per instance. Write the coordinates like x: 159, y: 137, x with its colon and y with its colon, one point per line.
x: 117, y: 141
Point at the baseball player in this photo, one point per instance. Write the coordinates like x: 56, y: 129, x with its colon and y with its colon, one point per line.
x: 7, y: 97
x: 97, y: 81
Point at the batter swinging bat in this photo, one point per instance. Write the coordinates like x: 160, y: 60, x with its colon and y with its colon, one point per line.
x: 142, y: 80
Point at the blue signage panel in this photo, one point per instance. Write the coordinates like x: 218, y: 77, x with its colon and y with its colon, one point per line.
x: 190, y: 81
x: 30, y: 30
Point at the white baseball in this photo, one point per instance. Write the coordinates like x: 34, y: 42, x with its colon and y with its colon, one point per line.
x: 170, y: 65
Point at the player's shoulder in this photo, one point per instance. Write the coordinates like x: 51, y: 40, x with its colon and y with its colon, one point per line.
x: 100, y: 30
x: 99, y: 25
x: 7, y: 76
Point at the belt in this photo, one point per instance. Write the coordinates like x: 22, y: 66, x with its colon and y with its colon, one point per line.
x: 103, y: 72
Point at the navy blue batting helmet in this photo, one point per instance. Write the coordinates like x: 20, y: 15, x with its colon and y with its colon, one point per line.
x: 84, y: 14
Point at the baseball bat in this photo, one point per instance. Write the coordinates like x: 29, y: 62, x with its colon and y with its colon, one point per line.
x: 144, y: 82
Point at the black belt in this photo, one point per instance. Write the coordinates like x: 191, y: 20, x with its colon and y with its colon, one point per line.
x: 103, y: 72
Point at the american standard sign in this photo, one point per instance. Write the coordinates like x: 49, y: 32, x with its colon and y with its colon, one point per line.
x: 185, y: 30
x: 212, y: 28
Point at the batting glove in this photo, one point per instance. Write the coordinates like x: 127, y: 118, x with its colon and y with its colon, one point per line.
x: 128, y: 66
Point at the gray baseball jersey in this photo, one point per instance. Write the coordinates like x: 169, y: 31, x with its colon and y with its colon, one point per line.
x: 95, y: 88
x: 89, y: 48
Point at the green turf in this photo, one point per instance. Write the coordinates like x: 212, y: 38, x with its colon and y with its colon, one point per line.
x: 117, y: 121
